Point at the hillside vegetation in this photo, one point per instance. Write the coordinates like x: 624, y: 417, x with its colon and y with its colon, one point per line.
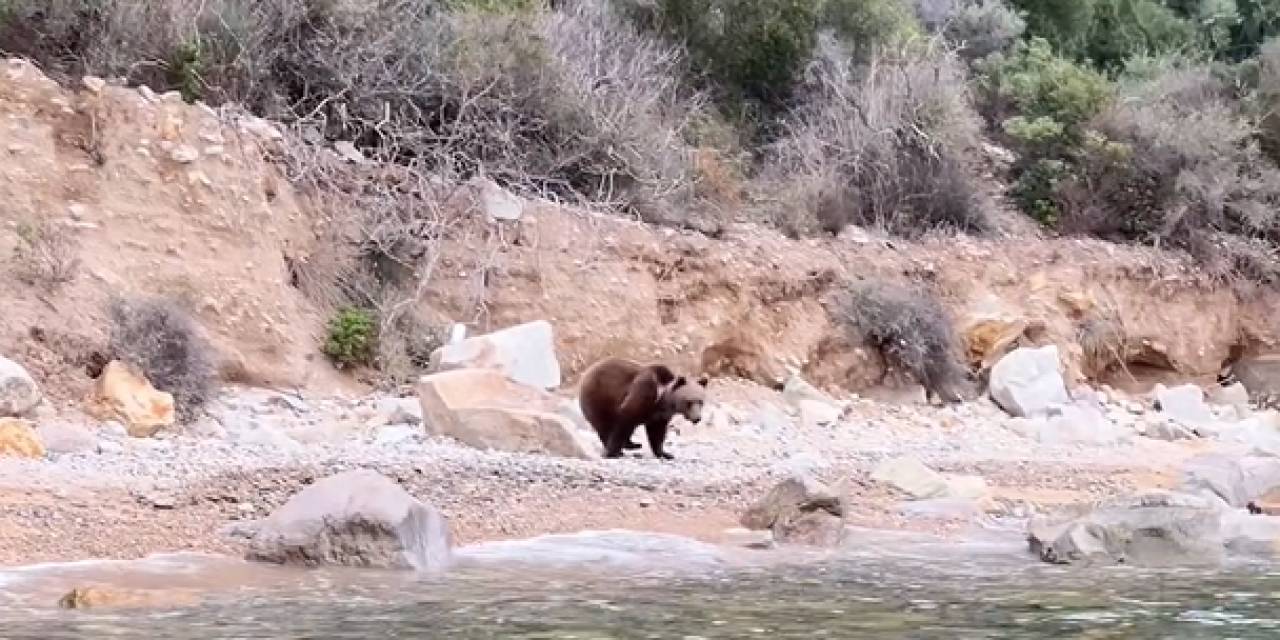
x: 1138, y: 121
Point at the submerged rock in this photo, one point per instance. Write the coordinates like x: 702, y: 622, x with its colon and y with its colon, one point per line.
x: 799, y: 510
x: 358, y: 519
x: 104, y: 597
x: 1152, y: 529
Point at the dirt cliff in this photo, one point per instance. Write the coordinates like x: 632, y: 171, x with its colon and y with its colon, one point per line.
x: 137, y: 193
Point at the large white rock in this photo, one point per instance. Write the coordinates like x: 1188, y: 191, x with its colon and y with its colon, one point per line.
x: 1237, y: 480
x: 355, y: 518
x: 19, y: 393
x: 1078, y: 422
x: 1185, y: 405
x: 1028, y: 381
x: 911, y: 477
x: 482, y: 408
x: 526, y: 353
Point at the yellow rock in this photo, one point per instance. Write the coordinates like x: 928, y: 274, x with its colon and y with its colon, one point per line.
x: 96, y: 597
x: 989, y: 339
x: 125, y: 395
x: 18, y: 438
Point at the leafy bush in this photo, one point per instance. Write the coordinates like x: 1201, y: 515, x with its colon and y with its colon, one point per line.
x: 1175, y: 164
x: 752, y: 50
x: 868, y: 27
x: 1041, y: 101
x: 884, y: 146
x: 910, y: 329
x: 1109, y: 32
x: 979, y: 27
x: 159, y: 339
x: 353, y: 337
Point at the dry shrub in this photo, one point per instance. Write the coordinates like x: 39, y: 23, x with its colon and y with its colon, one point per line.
x: 47, y: 255
x: 910, y: 329
x: 883, y: 146
x: 979, y: 27
x: 159, y: 339
x: 1173, y: 163
x: 572, y: 103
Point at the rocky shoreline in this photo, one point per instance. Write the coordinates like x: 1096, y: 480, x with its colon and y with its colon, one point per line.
x: 501, y: 459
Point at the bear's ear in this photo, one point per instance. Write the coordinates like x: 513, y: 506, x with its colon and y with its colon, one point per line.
x: 702, y: 380
x: 680, y: 382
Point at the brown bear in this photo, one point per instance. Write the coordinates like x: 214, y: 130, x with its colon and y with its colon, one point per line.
x: 618, y: 395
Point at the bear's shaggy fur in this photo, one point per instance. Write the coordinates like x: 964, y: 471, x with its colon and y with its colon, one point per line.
x: 618, y: 395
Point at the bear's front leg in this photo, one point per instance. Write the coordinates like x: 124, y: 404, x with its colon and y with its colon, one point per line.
x: 657, y: 432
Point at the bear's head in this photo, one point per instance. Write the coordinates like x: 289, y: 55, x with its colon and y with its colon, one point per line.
x: 686, y: 398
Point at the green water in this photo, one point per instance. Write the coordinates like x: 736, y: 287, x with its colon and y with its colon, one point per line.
x: 935, y: 594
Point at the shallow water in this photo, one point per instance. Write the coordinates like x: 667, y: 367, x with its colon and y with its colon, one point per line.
x: 617, y: 585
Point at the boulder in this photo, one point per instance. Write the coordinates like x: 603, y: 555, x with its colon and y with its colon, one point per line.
x: 18, y: 439
x: 357, y: 519
x: 1169, y: 430
x: 1259, y: 433
x: 482, y: 408
x: 1234, y: 395
x: 1248, y: 534
x: 1236, y: 480
x: 1260, y: 376
x: 19, y: 393
x: 914, y: 478
x: 123, y: 394
x: 525, y: 353
x: 911, y: 477
x: 63, y: 438
x: 1185, y: 405
x: 799, y: 510
x: 1079, y: 422
x: 989, y: 339
x: 815, y: 407
x: 1028, y: 381
x: 1152, y: 529
x: 797, y: 494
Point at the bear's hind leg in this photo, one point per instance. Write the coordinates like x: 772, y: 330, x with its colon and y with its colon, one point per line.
x: 657, y: 432
x: 619, y: 438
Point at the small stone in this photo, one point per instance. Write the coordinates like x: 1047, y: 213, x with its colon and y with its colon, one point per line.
x: 184, y: 154
x: 94, y: 83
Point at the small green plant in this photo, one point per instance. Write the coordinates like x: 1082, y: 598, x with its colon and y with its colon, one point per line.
x: 353, y: 336
x: 186, y: 69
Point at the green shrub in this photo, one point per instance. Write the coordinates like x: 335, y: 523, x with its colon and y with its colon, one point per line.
x: 869, y: 26
x: 1173, y: 163
x: 1040, y: 102
x: 752, y: 50
x: 352, y: 338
